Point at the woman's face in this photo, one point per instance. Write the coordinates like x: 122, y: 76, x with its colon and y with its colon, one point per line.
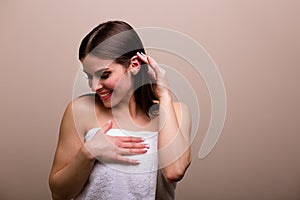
x: 110, y: 80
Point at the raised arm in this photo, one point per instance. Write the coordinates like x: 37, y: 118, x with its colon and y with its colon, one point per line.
x: 175, y: 127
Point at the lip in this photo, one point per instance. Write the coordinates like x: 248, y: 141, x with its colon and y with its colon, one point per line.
x: 105, y: 95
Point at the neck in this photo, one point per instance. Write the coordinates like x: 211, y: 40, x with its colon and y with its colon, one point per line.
x: 127, y: 107
x: 127, y: 115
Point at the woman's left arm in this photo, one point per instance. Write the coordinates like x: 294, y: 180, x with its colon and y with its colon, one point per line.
x: 175, y: 126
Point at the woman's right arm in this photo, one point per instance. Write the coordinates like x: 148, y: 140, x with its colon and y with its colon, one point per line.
x: 75, y: 159
x: 72, y: 162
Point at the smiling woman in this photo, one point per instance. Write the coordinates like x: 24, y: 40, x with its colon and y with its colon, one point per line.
x: 111, y: 79
x: 110, y: 141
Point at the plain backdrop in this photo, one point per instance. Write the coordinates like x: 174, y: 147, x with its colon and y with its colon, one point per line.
x: 255, y: 45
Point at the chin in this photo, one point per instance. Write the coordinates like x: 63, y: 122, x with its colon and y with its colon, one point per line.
x: 107, y: 104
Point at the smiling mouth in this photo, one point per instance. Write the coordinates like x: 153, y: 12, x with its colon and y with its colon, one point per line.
x: 105, y: 96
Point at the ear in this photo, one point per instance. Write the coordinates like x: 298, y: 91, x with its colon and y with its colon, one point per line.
x: 135, y: 65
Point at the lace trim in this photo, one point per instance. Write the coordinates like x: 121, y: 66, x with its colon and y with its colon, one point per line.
x: 140, y: 186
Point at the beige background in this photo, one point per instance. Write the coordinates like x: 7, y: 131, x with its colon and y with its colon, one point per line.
x: 254, y: 43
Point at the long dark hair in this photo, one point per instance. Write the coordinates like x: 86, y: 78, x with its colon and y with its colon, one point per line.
x: 118, y: 41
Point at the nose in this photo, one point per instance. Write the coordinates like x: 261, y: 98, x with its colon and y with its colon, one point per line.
x: 95, y: 84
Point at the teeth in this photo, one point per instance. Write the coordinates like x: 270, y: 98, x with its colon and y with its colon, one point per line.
x: 104, y: 95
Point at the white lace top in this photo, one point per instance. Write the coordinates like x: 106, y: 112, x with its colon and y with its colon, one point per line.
x: 129, y: 182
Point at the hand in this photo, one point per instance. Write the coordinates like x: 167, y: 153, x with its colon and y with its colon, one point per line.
x: 107, y: 148
x: 158, y: 75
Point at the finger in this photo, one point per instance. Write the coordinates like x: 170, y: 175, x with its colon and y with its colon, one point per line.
x: 142, y: 56
x: 106, y: 127
x: 125, y: 160
x: 134, y: 145
x: 148, y: 60
x: 124, y: 151
x: 129, y: 139
x: 153, y: 64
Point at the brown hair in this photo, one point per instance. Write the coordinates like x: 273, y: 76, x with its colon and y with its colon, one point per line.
x: 118, y: 41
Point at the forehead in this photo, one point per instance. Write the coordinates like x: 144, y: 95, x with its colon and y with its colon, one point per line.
x: 92, y: 63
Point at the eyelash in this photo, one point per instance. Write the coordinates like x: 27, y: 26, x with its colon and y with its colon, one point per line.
x: 104, y: 75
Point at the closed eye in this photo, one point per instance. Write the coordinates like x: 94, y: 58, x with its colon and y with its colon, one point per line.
x: 105, y: 75
x: 100, y: 73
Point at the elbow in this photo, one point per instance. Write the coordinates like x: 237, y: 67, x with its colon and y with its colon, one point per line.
x: 56, y: 196
x: 56, y: 192
x: 175, y: 173
x: 173, y: 176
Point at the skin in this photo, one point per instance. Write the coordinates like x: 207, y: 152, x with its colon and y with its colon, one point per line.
x: 175, y: 126
x: 74, y: 158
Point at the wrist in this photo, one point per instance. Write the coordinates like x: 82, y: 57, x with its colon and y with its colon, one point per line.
x: 166, y: 96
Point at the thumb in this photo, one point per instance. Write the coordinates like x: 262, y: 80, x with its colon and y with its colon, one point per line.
x: 106, y: 127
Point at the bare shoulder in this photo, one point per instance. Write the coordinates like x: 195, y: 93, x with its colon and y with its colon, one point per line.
x: 72, y: 130
x: 84, y: 102
x: 82, y: 112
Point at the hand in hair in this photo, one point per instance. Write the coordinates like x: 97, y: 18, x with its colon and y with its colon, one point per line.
x: 157, y: 74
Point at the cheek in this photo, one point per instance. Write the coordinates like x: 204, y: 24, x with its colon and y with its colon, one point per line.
x: 111, y: 83
x: 124, y: 83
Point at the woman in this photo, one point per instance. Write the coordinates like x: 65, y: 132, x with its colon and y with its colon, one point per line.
x: 141, y: 127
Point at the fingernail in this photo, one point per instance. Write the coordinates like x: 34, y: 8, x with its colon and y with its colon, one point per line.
x: 143, y: 54
x: 147, y: 146
x: 144, y: 151
x: 109, y: 121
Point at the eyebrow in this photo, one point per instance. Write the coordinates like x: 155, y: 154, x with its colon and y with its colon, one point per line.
x: 97, y: 72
